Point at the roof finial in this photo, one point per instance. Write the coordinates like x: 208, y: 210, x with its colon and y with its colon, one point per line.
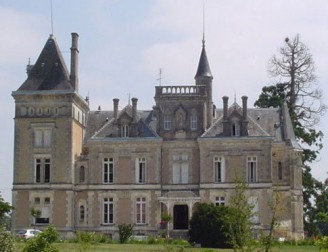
x: 52, y: 23
x: 160, y: 77
x: 235, y: 97
x: 203, y: 41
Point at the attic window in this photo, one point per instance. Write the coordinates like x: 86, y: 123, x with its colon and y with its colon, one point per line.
x: 125, y: 130
x: 235, y: 129
x: 42, y: 64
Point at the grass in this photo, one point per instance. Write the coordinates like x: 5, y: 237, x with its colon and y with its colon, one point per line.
x: 74, y: 247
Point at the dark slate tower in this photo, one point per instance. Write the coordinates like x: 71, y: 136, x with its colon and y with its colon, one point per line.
x: 204, y: 77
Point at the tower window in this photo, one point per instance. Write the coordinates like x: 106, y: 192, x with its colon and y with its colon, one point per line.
x: 82, y: 174
x: 82, y: 213
x: 193, y: 122
x: 42, y: 138
x: 42, y: 170
x: 167, y: 122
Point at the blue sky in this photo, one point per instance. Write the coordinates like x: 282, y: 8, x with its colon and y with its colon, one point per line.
x: 123, y: 43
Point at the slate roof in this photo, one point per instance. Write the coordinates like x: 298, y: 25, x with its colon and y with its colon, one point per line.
x: 49, y: 71
x: 203, y: 69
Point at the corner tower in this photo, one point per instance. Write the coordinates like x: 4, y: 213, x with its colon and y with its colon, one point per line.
x: 204, y: 77
x: 49, y: 127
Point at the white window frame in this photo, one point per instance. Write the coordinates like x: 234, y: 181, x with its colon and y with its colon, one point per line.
x: 42, y: 137
x: 42, y: 169
x: 108, y: 170
x: 220, y: 201
x: 140, y: 170
x: 140, y: 211
x: 167, y: 122
x: 108, y: 211
x: 180, y: 169
x: 125, y: 130
x: 219, y: 169
x: 251, y: 164
x: 235, y: 129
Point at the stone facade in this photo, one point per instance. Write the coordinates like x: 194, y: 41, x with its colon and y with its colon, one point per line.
x: 92, y: 170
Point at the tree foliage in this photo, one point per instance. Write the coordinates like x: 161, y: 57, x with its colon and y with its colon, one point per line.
x: 43, y: 242
x: 5, y: 208
x: 240, y: 218
x: 293, y: 70
x: 208, y: 226
x: 125, y: 232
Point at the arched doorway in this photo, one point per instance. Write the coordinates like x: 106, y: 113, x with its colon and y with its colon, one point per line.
x: 180, y: 217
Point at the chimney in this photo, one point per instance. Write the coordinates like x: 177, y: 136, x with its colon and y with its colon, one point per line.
x: 225, y: 107
x: 244, y: 123
x: 74, y: 62
x: 115, y: 102
x: 134, y: 109
x: 244, y: 99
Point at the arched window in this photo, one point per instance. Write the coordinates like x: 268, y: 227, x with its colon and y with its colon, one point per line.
x: 82, y: 174
x: 82, y: 213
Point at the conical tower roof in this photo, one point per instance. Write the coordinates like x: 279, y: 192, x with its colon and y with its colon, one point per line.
x: 49, y: 71
x: 203, y: 69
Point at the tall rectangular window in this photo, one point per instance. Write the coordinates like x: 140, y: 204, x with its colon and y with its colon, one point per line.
x: 219, y: 169
x: 108, y: 211
x: 167, y: 122
x: 42, y: 170
x: 180, y: 169
x: 141, y: 211
x: 141, y: 170
x: 125, y: 130
x: 108, y: 170
x: 42, y: 138
x: 252, y: 169
x: 193, y: 122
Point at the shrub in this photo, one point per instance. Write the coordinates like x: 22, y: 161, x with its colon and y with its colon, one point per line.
x: 43, y: 242
x: 125, y: 232
x: 208, y: 226
x: 6, y: 241
x: 322, y: 243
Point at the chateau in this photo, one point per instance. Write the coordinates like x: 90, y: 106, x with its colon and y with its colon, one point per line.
x: 92, y: 170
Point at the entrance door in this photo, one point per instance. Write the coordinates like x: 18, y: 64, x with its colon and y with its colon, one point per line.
x: 180, y: 217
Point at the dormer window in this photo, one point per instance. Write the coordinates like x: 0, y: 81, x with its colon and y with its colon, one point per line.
x: 235, y: 129
x: 125, y: 130
x: 193, y: 122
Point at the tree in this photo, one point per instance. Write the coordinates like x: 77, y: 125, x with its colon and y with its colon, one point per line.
x: 296, y: 85
x: 5, y: 209
x: 208, y: 226
x: 240, y: 218
x: 35, y: 213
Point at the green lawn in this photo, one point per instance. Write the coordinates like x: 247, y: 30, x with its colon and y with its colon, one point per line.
x: 72, y: 247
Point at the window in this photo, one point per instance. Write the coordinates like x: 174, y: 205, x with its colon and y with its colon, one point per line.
x: 141, y: 211
x: 180, y: 169
x: 280, y: 171
x: 42, y: 138
x: 42, y: 170
x: 125, y: 130
x: 219, y: 169
x: 82, y: 174
x: 193, y: 122
x: 167, y: 122
x: 82, y: 213
x: 235, y: 129
x: 44, y: 217
x: 47, y: 201
x: 37, y: 201
x: 219, y: 201
x: 141, y: 170
x: 108, y: 170
x: 252, y: 169
x: 108, y: 211
x: 253, y: 201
